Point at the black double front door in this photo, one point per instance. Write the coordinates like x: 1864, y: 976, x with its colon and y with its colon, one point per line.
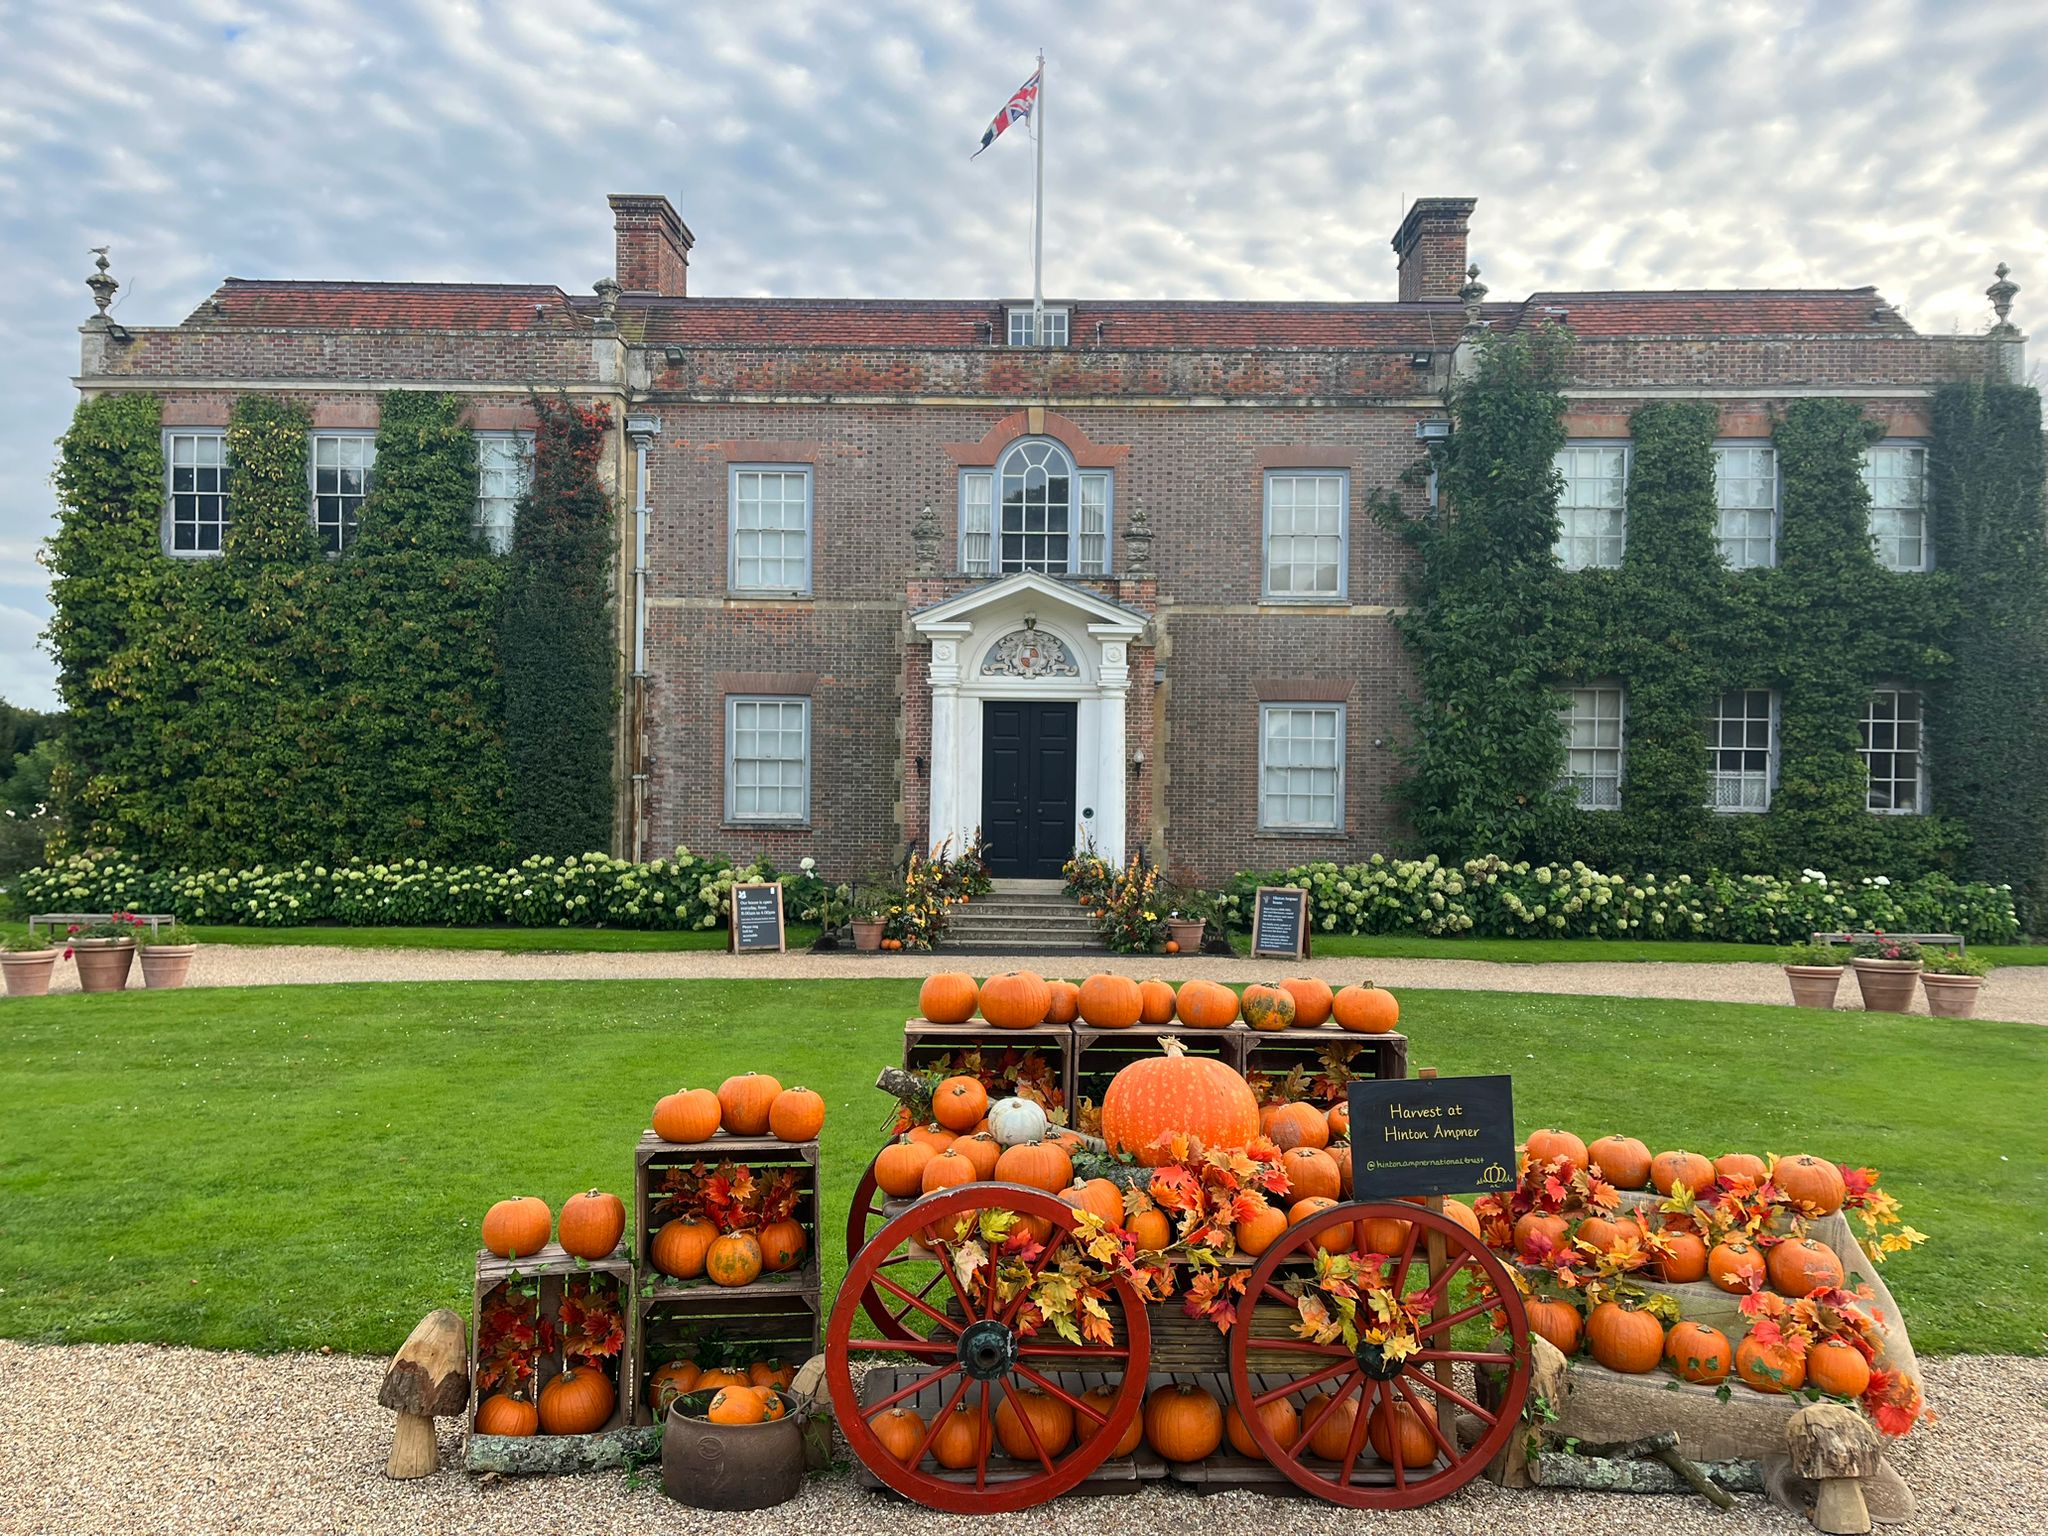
x: 1027, y: 787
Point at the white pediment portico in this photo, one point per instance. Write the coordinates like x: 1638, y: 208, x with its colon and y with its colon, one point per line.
x: 1030, y: 637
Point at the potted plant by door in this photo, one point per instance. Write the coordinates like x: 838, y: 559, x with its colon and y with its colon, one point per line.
x: 1887, y: 972
x: 27, y: 961
x: 1815, y: 972
x: 166, y: 957
x: 869, y: 906
x: 105, y: 952
x: 1952, y: 981
x: 1187, y: 916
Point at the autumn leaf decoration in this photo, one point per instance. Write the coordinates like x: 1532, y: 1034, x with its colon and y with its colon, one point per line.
x: 511, y: 1336
x: 732, y: 1196
x: 593, y: 1327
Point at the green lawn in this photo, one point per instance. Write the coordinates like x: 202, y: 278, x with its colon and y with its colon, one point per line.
x: 519, y: 941
x: 1550, y: 951
x: 289, y: 1167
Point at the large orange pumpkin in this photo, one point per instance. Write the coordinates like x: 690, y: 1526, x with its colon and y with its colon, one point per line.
x: 1741, y: 1165
x: 592, y: 1224
x: 1268, y: 1009
x: 934, y: 1135
x: 1103, y: 1401
x: 506, y: 1413
x: 1099, y: 1197
x: 1332, y: 1436
x: 1459, y: 1212
x: 1622, y: 1161
x: 1622, y: 1340
x: 901, y: 1431
x: 1366, y: 1010
x: 1668, y: 1170
x: 735, y: 1259
x: 1157, y: 1096
x: 958, y: 1103
x: 1313, y: 1001
x: 1109, y: 1002
x: 1206, y: 1005
x: 1698, y: 1353
x: 1799, y: 1266
x: 1405, y: 1433
x: 1382, y: 1234
x: 1684, y: 1260
x: 1052, y: 1419
x: 1770, y: 1367
x: 669, y: 1381
x: 1281, y: 1422
x: 1063, y: 1003
x: 1528, y: 1226
x: 1261, y: 1229
x: 680, y: 1247
x: 1335, y: 1239
x: 518, y: 1228
x: 796, y: 1114
x: 1150, y: 1230
x: 1812, y: 1183
x: 1603, y: 1233
x: 1016, y: 1000
x: 1546, y: 1146
x: 689, y: 1116
x: 982, y: 1150
x: 949, y: 997
x: 1037, y: 1165
x: 1557, y: 1321
x: 957, y: 1445
x: 1310, y: 1171
x: 1297, y: 1125
x: 899, y: 1168
x: 744, y: 1102
x: 1183, y: 1422
x: 737, y: 1405
x: 782, y: 1246
x: 1735, y: 1266
x: 1155, y: 1001
x: 577, y: 1402
x: 1838, y: 1368
x: 947, y: 1169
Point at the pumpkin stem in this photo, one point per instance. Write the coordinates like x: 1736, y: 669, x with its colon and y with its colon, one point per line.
x: 1172, y: 1046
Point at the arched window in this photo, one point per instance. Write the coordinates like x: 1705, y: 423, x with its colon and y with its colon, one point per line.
x: 1034, y: 512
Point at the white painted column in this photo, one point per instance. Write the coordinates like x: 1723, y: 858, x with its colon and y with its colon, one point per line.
x: 1112, y: 766
x: 944, y: 813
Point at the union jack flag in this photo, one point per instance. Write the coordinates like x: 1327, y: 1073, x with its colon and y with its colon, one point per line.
x: 1015, y: 110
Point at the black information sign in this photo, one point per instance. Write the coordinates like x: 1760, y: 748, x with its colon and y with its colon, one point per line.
x: 757, y: 916
x: 1431, y: 1136
x: 1280, y: 921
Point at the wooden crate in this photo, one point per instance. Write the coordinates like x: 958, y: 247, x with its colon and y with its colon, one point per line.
x: 783, y: 1327
x: 1377, y: 1056
x: 1099, y: 1054
x: 654, y: 1156
x: 548, y: 1272
x: 931, y: 1047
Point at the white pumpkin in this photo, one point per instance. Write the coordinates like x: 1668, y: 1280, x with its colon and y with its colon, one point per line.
x: 1016, y: 1122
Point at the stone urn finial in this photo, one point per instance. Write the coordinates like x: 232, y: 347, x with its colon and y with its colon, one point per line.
x: 102, y: 284
x: 1138, y: 543
x: 607, y: 291
x: 2001, y: 294
x: 924, y: 541
x: 1472, y: 293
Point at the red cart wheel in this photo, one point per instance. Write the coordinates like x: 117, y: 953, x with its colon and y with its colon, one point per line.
x: 1269, y: 1361
x: 918, y: 1275
x: 972, y: 1351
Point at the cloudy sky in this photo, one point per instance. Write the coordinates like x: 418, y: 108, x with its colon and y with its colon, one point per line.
x: 1227, y: 151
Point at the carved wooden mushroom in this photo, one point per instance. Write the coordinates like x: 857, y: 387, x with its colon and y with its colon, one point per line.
x: 1835, y: 1447
x: 428, y: 1380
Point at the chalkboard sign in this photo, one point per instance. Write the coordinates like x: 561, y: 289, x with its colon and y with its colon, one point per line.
x: 1431, y: 1136
x: 757, y: 916
x: 1280, y: 922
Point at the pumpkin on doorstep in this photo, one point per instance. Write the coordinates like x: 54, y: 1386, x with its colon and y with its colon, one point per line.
x: 1624, y: 1340
x: 1281, y: 1422
x: 1017, y: 1000
x: 577, y: 1402
x: 1015, y: 1122
x: 1405, y: 1432
x: 1268, y: 1009
x: 948, y: 997
x: 958, y: 1103
x: 1799, y: 1266
x: 783, y: 1245
x: 1206, y: 1005
x: 1837, y: 1367
x: 1813, y: 1184
x: 1366, y: 1009
x: 1064, y: 1004
x: 1296, y: 1125
x: 1313, y: 1001
x: 681, y: 1246
x: 592, y: 1224
x: 1546, y: 1146
x: 518, y: 1228
x: 1156, y: 1001
x: 796, y: 1114
x: 1698, y: 1353
x: 1103, y: 1401
x: 507, y: 1413
x: 899, y: 1168
x: 1157, y: 1097
x: 690, y: 1116
x: 1622, y: 1161
x: 1183, y: 1422
x: 735, y: 1259
x: 744, y: 1102
x: 1109, y: 1002
x: 901, y: 1431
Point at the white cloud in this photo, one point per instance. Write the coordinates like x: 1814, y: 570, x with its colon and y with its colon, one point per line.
x: 1227, y: 151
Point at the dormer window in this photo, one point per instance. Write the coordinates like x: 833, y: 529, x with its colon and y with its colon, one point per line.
x: 1055, y: 334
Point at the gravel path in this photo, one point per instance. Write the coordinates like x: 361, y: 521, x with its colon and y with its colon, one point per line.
x: 2014, y: 992
x: 134, y: 1437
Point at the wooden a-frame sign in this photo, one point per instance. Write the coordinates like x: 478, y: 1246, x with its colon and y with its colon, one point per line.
x: 1280, y: 922
x: 757, y: 917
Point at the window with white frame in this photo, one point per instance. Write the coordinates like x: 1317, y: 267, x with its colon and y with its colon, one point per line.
x: 1593, y: 723
x: 1892, y: 742
x: 1301, y: 767
x: 767, y: 759
x: 1743, y: 741
x: 1896, y: 475
x: 195, y: 491
x: 1035, y: 512
x: 1746, y: 504
x: 343, y: 463
x: 770, y: 527
x: 1592, y: 523
x: 504, y: 471
x: 1306, y: 528
x: 1055, y: 334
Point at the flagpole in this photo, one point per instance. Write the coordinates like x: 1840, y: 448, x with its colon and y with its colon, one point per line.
x: 1038, y: 214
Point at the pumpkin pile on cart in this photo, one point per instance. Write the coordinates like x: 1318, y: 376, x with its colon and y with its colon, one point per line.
x: 1173, y: 1284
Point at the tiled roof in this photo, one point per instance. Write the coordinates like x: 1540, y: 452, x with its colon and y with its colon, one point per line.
x: 1729, y: 312
x: 385, y: 306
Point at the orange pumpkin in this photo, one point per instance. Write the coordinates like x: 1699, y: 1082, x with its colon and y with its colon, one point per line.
x: 1109, y: 1002
x: 957, y: 1445
x: 1335, y: 1239
x: 796, y: 1114
x: 669, y: 1381
x: 1684, y: 1260
x: 1799, y: 1266
x: 518, y: 1228
x: 1366, y: 1010
x: 773, y: 1403
x: 592, y: 1224
x: 1099, y: 1197
x: 770, y: 1373
x: 577, y: 1402
x: 1037, y: 1165
x: 1183, y: 1422
x: 1405, y: 1433
x: 1064, y: 1002
x: 681, y: 1246
x: 1557, y: 1321
x: 1150, y: 1230
x: 1837, y: 1367
x: 1281, y: 1422
x: 1332, y: 1436
x: 712, y: 1380
x: 1268, y: 1009
x: 735, y: 1259
x: 1338, y: 1118
x: 901, y: 1431
x: 1310, y: 1171
x: 982, y: 1150
x: 1173, y: 946
x: 1741, y: 1165
x: 506, y: 1413
x: 737, y: 1405
x: 935, y: 1136
x: 1546, y: 1146
x: 744, y: 1102
x: 1530, y: 1225
x: 782, y: 1246
x: 959, y: 1103
x: 1813, y: 1184
x: 1622, y: 1161
x: 1260, y: 1230
x: 1463, y: 1215
x: 946, y: 1170
x: 1206, y: 1005
x: 1156, y: 1001
x: 1052, y: 1419
x: 689, y: 1116
x: 1735, y: 1266
x: 1668, y: 1170
x: 1698, y: 1353
x: 899, y: 1168
x: 1340, y: 1154
x: 1297, y: 1125
x: 1770, y: 1367
x: 949, y: 997
x: 1382, y: 1234
x: 1622, y: 1340
x: 1313, y: 1001
x: 1103, y: 1401
x: 1158, y: 1096
x: 1602, y: 1234
x: 1017, y: 1000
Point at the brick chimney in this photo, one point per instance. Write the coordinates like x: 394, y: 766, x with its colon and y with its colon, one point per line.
x: 1431, y: 247
x: 653, y: 245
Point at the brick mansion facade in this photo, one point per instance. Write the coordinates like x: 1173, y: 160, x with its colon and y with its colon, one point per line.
x: 889, y: 571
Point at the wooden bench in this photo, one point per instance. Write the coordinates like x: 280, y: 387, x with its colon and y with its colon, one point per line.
x: 53, y: 920
x: 1952, y: 941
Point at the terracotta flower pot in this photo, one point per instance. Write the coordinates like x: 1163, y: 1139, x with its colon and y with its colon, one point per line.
x: 28, y: 972
x: 1951, y: 997
x: 1187, y: 935
x: 1887, y: 985
x: 1814, y: 986
x: 867, y: 935
x: 103, y: 964
x: 166, y: 965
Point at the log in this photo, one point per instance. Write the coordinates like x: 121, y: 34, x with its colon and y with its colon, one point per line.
x: 548, y: 1455
x: 1561, y: 1469
x: 1660, y: 1447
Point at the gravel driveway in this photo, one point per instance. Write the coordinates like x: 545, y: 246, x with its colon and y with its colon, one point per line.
x: 140, y: 1438
x: 2014, y: 992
